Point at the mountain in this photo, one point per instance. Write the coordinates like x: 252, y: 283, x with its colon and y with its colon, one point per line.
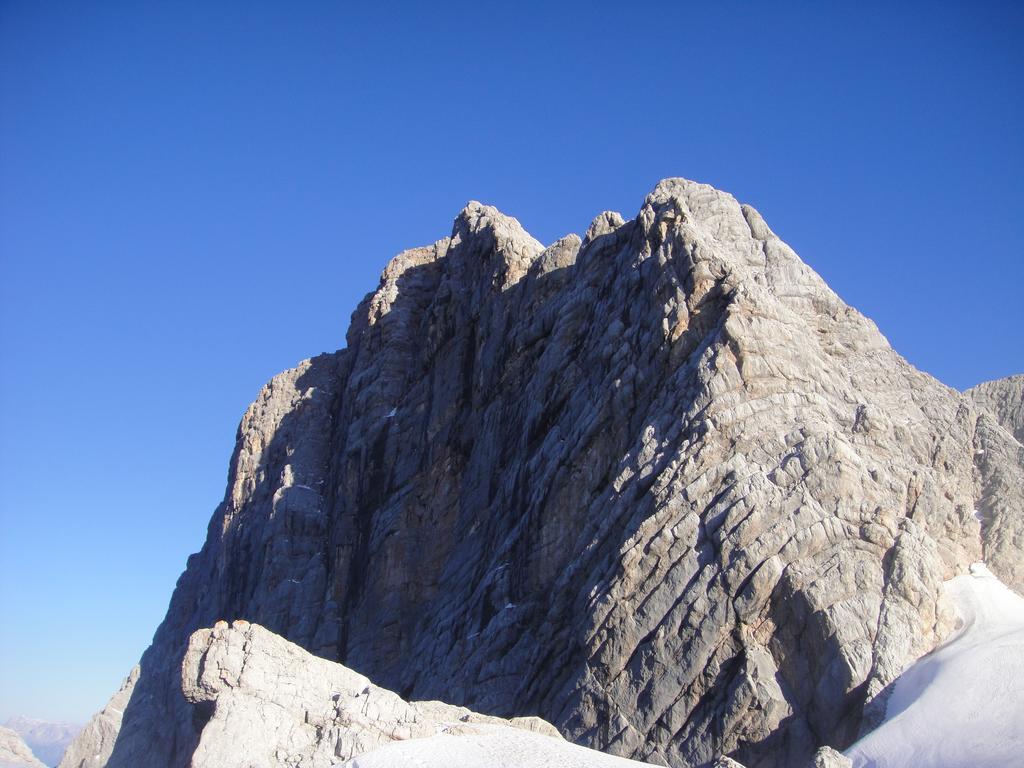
x: 274, y: 704
x: 46, y: 739
x: 657, y: 485
x: 15, y: 753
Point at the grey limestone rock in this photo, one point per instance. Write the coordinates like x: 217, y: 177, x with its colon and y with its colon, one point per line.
x: 1004, y: 399
x: 93, y: 744
x: 999, y: 457
x: 15, y: 753
x: 47, y: 739
x: 826, y: 757
x: 659, y: 486
x: 294, y: 710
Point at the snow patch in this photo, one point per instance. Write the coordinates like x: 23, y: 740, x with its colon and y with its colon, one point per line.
x: 962, y: 705
x: 497, y: 747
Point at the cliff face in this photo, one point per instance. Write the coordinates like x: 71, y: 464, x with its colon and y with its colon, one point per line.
x: 999, y: 456
x: 1004, y: 399
x: 660, y: 486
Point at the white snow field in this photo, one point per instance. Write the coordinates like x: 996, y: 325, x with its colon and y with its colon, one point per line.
x: 962, y: 705
x: 501, y: 748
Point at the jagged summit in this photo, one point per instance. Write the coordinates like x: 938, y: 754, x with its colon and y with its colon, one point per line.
x: 659, y: 486
x: 604, y: 223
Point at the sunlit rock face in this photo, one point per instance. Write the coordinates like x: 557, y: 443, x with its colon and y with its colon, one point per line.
x: 15, y: 753
x: 271, y: 703
x: 1004, y: 399
x: 659, y: 486
x: 999, y: 457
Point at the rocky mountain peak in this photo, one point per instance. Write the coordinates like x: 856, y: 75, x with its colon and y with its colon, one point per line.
x: 659, y: 486
x: 498, y: 242
x: 604, y: 223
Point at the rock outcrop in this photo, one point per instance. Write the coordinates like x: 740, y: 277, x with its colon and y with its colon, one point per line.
x: 15, y: 753
x: 826, y: 757
x: 46, y: 739
x: 92, y: 746
x: 659, y: 486
x: 1004, y: 399
x: 264, y: 701
x: 999, y: 457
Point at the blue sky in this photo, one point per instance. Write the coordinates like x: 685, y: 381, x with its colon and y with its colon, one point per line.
x: 194, y: 196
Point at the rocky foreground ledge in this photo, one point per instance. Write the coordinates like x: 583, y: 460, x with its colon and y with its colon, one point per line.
x: 260, y: 700
x: 295, y: 710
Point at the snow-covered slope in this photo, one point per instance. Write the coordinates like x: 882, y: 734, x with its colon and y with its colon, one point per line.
x: 961, y: 706
x: 501, y: 748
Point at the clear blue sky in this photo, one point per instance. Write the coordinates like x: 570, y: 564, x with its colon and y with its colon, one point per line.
x: 194, y: 196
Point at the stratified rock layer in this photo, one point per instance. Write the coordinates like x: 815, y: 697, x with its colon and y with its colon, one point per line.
x: 659, y: 486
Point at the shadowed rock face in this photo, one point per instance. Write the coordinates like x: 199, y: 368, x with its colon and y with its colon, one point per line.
x: 660, y: 486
